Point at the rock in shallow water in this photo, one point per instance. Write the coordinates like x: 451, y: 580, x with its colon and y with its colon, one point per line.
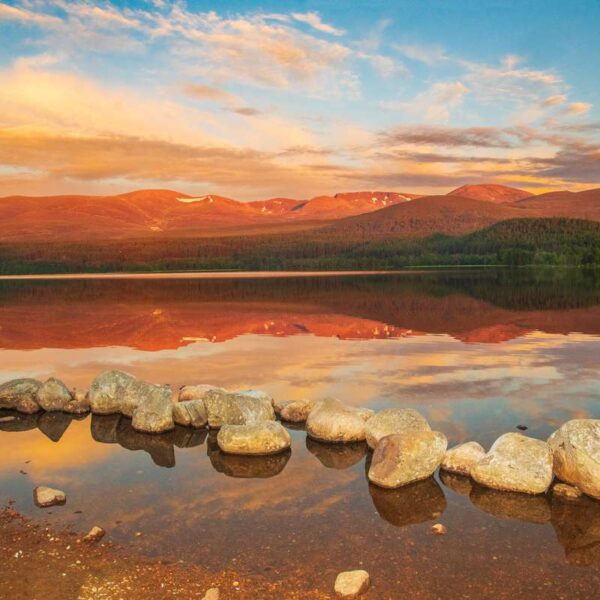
x: 515, y: 463
x: 393, y: 420
x: 54, y: 395
x: 296, y: 411
x: 21, y: 395
x: 576, y: 451
x: 461, y: 458
x: 566, y: 491
x: 107, y: 391
x: 45, y: 496
x: 154, y: 413
x: 402, y: 458
x: 237, y: 408
x: 190, y: 413
x: 332, y: 421
x: 261, y: 439
x: 94, y: 534
x: 196, y: 392
x: 351, y: 584
x: 79, y: 405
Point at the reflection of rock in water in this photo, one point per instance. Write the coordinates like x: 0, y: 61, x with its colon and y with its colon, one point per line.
x: 115, y: 429
x: 104, y: 428
x: 414, y: 503
x: 158, y: 446
x: 577, y: 527
x: 511, y: 505
x: 232, y: 465
x: 461, y: 484
x: 21, y: 421
x: 336, y: 456
x: 54, y: 424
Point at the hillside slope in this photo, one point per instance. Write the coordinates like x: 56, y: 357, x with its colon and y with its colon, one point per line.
x: 490, y: 192
x: 571, y: 205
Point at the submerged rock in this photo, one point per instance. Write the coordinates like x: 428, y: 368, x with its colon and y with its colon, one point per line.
x: 411, y: 504
x: 336, y: 456
x: 297, y: 411
x: 566, y: 491
x: 154, y: 413
x: 190, y: 413
x: 265, y: 438
x: 224, y: 408
x: 54, y: 395
x: 460, y: 459
x: 21, y: 395
x: 393, y: 420
x: 45, y: 496
x: 576, y: 450
x: 402, y: 458
x: 351, y: 584
x: 516, y: 463
x: 94, y: 534
x: 107, y: 391
x: 332, y: 421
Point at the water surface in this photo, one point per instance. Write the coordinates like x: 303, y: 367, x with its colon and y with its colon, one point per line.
x: 478, y: 353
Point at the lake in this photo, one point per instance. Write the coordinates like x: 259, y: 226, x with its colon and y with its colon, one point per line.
x: 476, y: 352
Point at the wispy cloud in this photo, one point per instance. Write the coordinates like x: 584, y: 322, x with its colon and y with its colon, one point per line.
x: 314, y: 20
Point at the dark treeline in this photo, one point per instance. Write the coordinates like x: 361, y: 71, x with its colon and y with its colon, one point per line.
x: 517, y: 242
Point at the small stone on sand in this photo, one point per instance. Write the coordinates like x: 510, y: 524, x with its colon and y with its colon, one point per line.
x: 439, y: 529
x: 95, y: 533
x: 351, y: 584
x: 44, y: 496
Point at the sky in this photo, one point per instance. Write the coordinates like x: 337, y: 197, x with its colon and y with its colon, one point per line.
x: 260, y: 99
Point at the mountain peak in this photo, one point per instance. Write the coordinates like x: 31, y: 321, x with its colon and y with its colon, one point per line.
x: 490, y: 192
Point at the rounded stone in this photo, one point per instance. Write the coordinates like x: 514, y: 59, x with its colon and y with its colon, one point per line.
x: 332, y: 421
x: 461, y: 458
x: 269, y: 437
x: 393, y: 420
x: 401, y: 458
x: 54, y: 395
x: 351, y: 584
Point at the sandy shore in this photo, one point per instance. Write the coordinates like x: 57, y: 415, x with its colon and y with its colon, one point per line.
x: 39, y: 562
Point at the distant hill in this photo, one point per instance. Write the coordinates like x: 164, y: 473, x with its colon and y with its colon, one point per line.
x: 490, y: 192
x: 428, y: 215
x: 574, y: 205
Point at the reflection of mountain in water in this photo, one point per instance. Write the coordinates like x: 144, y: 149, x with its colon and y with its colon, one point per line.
x: 485, y: 307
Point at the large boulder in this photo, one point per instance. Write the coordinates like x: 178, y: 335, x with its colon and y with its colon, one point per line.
x: 393, y: 420
x: 136, y: 393
x: 461, y: 458
x: 269, y: 437
x: 237, y: 408
x: 332, y: 421
x: 297, y: 411
x: 54, y: 395
x: 402, y: 458
x: 190, y: 413
x: 154, y: 414
x: 21, y: 395
x: 107, y: 391
x: 515, y: 463
x: 576, y: 450
x: 196, y: 392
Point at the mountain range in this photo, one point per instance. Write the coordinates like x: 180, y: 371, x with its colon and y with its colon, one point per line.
x: 167, y: 213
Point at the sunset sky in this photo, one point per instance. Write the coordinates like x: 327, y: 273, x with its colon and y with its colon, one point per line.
x: 253, y: 100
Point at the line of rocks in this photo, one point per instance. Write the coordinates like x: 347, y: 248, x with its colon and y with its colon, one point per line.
x: 405, y: 449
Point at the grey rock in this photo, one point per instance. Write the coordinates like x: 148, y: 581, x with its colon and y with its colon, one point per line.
x: 54, y: 395
x: 190, y: 413
x: 107, y: 392
x: 224, y: 408
x: 45, y: 496
x: 154, y: 413
x: 21, y: 395
x: 351, y: 584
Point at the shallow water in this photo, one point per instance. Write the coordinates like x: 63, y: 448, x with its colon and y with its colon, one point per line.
x: 478, y: 353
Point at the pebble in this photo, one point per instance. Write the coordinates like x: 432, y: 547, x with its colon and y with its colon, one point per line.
x: 439, y: 529
x: 351, y: 584
x: 211, y: 594
x: 94, y: 534
x: 44, y: 496
x: 564, y: 490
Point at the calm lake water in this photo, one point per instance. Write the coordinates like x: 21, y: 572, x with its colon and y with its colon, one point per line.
x: 478, y: 353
